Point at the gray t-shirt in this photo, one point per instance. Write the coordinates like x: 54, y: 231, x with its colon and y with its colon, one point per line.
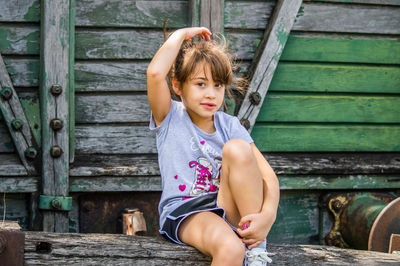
x: 189, y: 158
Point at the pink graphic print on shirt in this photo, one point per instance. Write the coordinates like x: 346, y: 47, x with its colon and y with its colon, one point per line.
x: 203, y: 176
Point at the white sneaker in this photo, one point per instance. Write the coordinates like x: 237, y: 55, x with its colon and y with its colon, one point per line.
x: 257, y: 256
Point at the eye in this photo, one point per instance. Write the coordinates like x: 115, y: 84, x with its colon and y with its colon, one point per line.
x: 201, y: 84
x: 219, y: 85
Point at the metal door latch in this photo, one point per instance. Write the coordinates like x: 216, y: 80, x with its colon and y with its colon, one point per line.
x: 55, y: 203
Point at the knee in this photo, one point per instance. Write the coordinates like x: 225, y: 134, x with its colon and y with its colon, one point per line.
x: 237, y: 150
x: 231, y: 252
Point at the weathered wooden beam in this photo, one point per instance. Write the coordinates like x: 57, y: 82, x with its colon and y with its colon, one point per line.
x: 55, y: 97
x: 366, y: 164
x: 207, y: 13
x: 17, y: 123
x: 110, y: 249
x: 267, y: 58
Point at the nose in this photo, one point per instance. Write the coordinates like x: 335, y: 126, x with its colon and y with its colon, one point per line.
x: 210, y: 92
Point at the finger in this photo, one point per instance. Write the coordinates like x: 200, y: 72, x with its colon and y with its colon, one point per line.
x: 245, y: 220
x: 249, y: 241
x: 254, y: 245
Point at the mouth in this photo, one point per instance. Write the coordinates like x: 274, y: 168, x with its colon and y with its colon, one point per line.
x: 208, y: 106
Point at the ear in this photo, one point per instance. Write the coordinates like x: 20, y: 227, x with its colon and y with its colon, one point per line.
x: 176, y: 86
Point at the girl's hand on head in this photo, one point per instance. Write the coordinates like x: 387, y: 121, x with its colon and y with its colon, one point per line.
x: 202, y: 32
x: 258, y: 228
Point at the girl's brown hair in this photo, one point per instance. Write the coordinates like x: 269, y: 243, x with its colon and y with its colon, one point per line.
x: 213, y: 54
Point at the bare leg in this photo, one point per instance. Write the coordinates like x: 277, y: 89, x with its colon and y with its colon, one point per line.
x: 241, y: 184
x: 210, y: 234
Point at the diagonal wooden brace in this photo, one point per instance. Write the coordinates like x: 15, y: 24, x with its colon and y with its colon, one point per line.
x: 267, y: 58
x: 17, y: 123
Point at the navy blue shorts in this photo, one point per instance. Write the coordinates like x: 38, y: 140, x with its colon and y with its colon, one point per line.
x: 202, y: 203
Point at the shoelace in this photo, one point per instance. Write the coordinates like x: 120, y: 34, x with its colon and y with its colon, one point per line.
x: 257, y: 257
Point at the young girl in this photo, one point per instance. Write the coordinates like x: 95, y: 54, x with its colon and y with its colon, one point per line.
x: 219, y: 193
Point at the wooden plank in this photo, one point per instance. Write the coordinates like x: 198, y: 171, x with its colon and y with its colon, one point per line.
x: 55, y: 45
x: 143, y: 14
x: 303, y: 47
x: 299, y: 107
x: 117, y: 139
x: 324, y: 137
x: 24, y: 72
x: 115, y: 165
x: 267, y: 57
x: 20, y: 11
x: 133, y: 44
x: 372, y: 2
x: 339, y: 182
x: 110, y: 76
x: 128, y: 44
x: 115, y: 184
x: 20, y: 184
x: 11, y: 165
x: 345, y: 18
x: 122, y: 249
x: 15, y: 209
x: 19, y: 39
x: 335, y: 78
x: 71, y: 81
x: 153, y: 183
x: 11, y: 109
x: 210, y: 14
x: 297, y: 218
x: 248, y: 14
x: 387, y: 164
x: 102, y: 108
x: 282, y: 107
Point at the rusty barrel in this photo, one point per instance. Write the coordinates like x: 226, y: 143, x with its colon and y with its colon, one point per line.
x: 364, y: 220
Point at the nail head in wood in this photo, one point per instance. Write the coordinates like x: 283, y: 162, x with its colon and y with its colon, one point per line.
x: 56, y: 124
x: 6, y: 93
x: 56, y: 151
x: 255, y: 98
x: 17, y: 124
x: 56, y: 89
x: 30, y: 153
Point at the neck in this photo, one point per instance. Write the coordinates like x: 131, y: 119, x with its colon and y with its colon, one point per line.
x: 205, y: 124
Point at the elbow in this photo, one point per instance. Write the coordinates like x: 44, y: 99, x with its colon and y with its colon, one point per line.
x: 154, y: 74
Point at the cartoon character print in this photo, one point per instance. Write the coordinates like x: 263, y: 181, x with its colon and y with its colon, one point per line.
x: 204, y: 181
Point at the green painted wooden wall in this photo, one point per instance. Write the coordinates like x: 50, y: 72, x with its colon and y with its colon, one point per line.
x: 330, y: 121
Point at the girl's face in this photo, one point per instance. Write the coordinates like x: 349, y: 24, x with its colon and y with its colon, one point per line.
x: 201, y: 95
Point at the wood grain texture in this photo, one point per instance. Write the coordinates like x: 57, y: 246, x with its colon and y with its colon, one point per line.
x: 344, y: 18
x: 12, y: 109
x: 110, y: 76
x: 325, y: 137
x: 20, y: 11
x: 11, y: 165
x: 21, y: 184
x: 24, y: 72
x: 117, y: 139
x: 267, y: 57
x: 291, y: 76
x: 6, y: 144
x: 55, y: 68
x: 150, y: 14
x: 124, y: 250
x: 19, y: 39
x: 372, y: 2
x: 287, y: 164
x: 112, y: 108
x: 297, y: 107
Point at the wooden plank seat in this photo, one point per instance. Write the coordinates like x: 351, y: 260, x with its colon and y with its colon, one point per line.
x: 111, y: 249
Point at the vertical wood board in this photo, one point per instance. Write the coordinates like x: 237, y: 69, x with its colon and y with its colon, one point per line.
x: 55, y: 70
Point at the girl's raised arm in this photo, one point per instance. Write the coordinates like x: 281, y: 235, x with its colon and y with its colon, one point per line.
x: 157, y: 88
